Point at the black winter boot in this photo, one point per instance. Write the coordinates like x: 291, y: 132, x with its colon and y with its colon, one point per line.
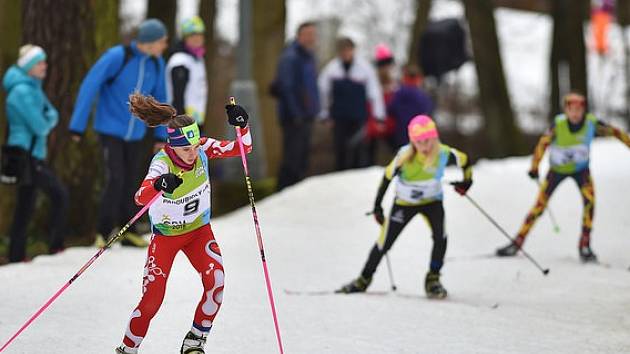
x: 359, y: 285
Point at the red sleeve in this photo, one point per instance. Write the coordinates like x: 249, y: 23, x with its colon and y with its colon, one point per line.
x: 218, y: 149
x: 146, y: 192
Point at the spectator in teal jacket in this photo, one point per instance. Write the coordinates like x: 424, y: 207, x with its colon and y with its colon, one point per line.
x: 119, y: 72
x: 31, y: 118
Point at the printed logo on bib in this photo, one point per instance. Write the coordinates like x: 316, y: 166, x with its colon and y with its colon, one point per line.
x: 199, y: 171
x: 416, y: 192
x: 174, y: 224
x: 564, y: 156
x: 398, y: 217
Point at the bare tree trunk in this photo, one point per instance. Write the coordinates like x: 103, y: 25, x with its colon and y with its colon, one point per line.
x: 208, y: 13
x: 423, y: 7
x: 503, y: 135
x: 269, y: 19
x: 165, y: 11
x: 568, y: 51
x: 10, y: 27
x: 73, y: 33
x: 577, y: 13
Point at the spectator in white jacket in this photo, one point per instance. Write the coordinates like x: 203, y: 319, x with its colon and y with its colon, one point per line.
x: 349, y: 84
x: 186, y: 82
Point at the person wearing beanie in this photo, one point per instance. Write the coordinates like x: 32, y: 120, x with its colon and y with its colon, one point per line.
x: 31, y: 118
x: 419, y: 167
x: 119, y: 72
x: 569, y: 141
x: 186, y: 80
x: 406, y: 102
x: 376, y: 130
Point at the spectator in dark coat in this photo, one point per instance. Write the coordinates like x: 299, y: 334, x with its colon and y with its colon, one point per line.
x: 348, y: 86
x: 295, y: 87
x: 408, y: 101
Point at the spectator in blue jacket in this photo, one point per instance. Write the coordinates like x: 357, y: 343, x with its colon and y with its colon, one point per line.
x: 295, y: 87
x: 407, y: 102
x: 119, y: 72
x: 31, y: 118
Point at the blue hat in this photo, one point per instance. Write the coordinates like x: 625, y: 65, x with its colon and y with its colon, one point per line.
x: 151, y: 30
x: 30, y: 55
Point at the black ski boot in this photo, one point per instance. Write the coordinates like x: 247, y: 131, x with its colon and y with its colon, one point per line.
x: 509, y: 250
x: 359, y: 285
x: 126, y: 350
x: 433, y: 287
x: 193, y: 344
x: 587, y: 255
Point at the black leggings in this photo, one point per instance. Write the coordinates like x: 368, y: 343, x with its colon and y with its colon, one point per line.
x: 121, y: 166
x: 398, y: 219
x: 43, y: 179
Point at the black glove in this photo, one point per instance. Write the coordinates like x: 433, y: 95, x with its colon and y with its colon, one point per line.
x: 462, y: 187
x: 237, y: 116
x: 378, y: 214
x: 167, y: 182
x: 533, y: 174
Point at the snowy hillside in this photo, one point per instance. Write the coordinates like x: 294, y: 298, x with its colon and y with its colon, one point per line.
x: 317, y: 238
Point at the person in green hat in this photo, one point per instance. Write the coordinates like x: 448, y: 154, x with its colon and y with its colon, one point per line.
x: 186, y: 83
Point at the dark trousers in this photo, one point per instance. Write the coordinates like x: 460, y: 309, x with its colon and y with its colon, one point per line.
x: 43, y: 179
x: 349, y: 140
x: 121, y: 181
x: 372, y: 147
x: 296, y: 144
x: 398, y: 219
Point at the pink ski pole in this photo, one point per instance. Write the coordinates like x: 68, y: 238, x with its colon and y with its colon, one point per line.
x: 250, y: 193
x: 83, y: 269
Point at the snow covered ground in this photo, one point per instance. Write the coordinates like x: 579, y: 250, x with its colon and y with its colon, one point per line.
x: 317, y: 238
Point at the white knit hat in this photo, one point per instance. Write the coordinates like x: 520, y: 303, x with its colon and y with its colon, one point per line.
x: 29, y: 56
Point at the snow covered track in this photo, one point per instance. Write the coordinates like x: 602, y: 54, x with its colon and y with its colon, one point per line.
x: 317, y: 238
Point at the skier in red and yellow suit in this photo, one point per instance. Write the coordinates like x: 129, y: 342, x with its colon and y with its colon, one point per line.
x: 569, y: 141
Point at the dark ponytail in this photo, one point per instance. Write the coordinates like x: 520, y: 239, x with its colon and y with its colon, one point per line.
x: 152, y: 112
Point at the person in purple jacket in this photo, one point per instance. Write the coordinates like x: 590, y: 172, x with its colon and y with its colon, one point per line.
x: 119, y: 72
x: 408, y: 101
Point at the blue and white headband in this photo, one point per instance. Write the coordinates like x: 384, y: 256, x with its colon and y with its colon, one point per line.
x: 31, y: 56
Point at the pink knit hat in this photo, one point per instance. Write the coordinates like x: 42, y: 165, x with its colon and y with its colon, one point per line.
x: 422, y: 127
x: 383, y: 55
